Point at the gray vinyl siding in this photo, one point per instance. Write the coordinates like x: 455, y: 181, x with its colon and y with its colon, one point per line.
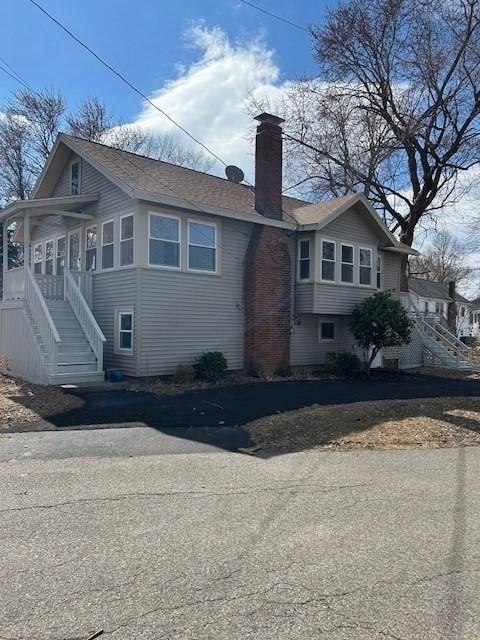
x: 305, y: 347
x: 391, y: 272
x: 183, y: 314
x: 116, y: 291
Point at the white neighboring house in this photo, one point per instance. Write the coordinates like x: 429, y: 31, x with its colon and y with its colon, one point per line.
x: 431, y: 298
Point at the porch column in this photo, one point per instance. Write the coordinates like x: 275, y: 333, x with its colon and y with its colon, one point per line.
x: 26, y: 239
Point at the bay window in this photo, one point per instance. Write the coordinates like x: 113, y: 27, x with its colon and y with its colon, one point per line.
x: 126, y: 240
x: 304, y: 259
x: 347, y: 264
x: 328, y: 261
x: 365, y: 273
x: 164, y: 241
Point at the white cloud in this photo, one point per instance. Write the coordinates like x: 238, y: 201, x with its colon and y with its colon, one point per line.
x: 209, y: 98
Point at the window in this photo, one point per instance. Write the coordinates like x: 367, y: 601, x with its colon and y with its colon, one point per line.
x: 164, y: 241
x: 304, y: 259
x: 379, y: 272
x: 37, y: 258
x: 202, y: 246
x: 60, y: 256
x: 437, y: 308
x: 347, y: 264
x: 327, y: 330
x: 74, y: 259
x: 328, y: 260
x: 107, y: 245
x: 365, y: 275
x: 49, y: 256
x: 124, y: 338
x: 75, y: 178
x: 91, y: 249
x: 126, y: 240
x: 425, y: 306
x: 462, y: 312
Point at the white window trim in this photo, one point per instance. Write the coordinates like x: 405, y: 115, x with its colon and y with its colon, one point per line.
x: 52, y: 240
x: 74, y: 162
x: 119, y: 312
x: 130, y: 264
x: 300, y: 259
x: 334, y: 261
x: 371, y: 285
x: 57, y: 256
x: 215, y: 247
x: 179, y: 241
x: 41, y: 261
x: 334, y: 339
x: 107, y: 245
x: 350, y: 264
x: 87, y: 228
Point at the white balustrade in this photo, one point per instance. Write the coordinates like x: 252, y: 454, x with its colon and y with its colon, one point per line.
x: 13, y: 284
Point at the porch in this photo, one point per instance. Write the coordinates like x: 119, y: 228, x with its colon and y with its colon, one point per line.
x: 47, y: 329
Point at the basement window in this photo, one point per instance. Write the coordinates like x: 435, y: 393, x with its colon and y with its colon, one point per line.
x: 304, y: 259
x: 124, y: 331
x: 327, y: 330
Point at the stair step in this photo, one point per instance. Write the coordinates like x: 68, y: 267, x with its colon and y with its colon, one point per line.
x: 76, y: 358
x: 89, y: 367
x: 74, y: 346
x: 77, y: 378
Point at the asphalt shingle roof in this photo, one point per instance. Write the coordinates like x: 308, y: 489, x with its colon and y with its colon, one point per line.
x: 432, y: 289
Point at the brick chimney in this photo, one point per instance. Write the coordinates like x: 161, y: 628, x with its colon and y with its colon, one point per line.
x: 267, y: 262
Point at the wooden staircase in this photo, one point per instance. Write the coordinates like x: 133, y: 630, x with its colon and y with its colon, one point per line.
x: 443, y: 346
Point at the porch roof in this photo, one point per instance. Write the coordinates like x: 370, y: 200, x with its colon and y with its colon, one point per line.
x: 60, y: 206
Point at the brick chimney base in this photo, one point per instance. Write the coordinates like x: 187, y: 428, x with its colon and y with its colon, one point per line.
x: 267, y: 302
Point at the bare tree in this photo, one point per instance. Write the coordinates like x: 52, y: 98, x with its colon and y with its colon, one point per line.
x: 91, y: 121
x: 444, y: 260
x: 17, y: 160
x: 395, y: 112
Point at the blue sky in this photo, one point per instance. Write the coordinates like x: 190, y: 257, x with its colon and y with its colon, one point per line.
x: 145, y: 39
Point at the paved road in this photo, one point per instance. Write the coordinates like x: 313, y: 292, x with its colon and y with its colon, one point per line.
x: 344, y: 546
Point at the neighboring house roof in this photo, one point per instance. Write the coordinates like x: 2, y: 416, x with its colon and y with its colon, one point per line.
x: 432, y: 289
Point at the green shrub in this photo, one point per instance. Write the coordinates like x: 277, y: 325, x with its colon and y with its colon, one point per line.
x: 183, y: 374
x: 210, y: 366
x: 343, y: 363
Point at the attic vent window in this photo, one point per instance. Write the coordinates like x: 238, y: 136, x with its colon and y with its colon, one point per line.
x: 75, y: 178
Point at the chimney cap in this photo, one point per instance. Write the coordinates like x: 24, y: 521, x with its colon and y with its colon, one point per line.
x: 268, y: 117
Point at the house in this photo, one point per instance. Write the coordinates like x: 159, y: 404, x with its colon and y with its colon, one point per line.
x: 141, y: 265
x: 430, y: 297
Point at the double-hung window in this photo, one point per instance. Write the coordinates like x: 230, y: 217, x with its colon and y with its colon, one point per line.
x: 75, y: 178
x: 37, y: 258
x: 202, y: 246
x: 124, y: 337
x: 60, y: 257
x: 126, y: 240
x: 348, y: 253
x: 304, y: 259
x: 379, y: 272
x: 91, y: 249
x: 164, y: 241
x: 365, y: 274
x: 107, y: 245
x: 328, y: 260
x: 49, y: 256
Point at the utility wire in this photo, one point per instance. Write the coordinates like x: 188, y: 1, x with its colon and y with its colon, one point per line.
x: 127, y: 82
x: 274, y: 15
x: 16, y: 78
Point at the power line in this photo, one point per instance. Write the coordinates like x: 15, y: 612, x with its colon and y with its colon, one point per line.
x: 127, y: 82
x: 274, y: 15
x: 18, y: 77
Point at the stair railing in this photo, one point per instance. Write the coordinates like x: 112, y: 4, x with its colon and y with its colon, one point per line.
x: 436, y: 331
x: 85, y: 317
x: 43, y: 320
